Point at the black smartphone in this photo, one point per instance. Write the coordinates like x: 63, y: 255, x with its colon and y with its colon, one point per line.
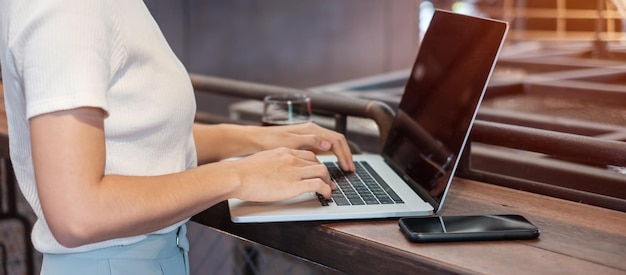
x: 467, y: 228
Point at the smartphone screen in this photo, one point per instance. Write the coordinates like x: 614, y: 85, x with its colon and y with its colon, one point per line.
x: 467, y: 228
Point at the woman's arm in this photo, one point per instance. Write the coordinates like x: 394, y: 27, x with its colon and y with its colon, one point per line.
x: 82, y: 205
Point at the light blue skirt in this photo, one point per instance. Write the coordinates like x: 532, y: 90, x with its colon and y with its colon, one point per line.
x: 165, y: 254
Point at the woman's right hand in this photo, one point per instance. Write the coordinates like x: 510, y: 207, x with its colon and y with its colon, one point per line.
x: 280, y: 174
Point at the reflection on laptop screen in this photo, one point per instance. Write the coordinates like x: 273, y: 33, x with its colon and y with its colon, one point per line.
x: 446, y: 85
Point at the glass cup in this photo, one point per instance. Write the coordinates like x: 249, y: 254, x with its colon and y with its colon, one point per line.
x: 286, y: 109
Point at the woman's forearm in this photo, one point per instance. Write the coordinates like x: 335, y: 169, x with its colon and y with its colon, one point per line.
x: 221, y: 141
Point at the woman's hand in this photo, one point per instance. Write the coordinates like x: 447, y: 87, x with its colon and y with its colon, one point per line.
x: 307, y: 136
x: 280, y: 174
x: 217, y: 142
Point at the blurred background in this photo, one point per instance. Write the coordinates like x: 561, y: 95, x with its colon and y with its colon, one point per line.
x: 563, y: 68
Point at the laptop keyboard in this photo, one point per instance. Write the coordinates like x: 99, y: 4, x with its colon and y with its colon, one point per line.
x: 362, y: 187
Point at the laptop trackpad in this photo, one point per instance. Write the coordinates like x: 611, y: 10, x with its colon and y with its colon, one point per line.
x: 304, y: 200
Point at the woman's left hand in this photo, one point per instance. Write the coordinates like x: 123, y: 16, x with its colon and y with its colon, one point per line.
x: 308, y: 136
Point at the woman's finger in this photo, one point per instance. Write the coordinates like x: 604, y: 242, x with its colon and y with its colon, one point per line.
x: 316, y: 185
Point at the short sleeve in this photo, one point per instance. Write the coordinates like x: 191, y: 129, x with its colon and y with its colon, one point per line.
x: 69, y: 51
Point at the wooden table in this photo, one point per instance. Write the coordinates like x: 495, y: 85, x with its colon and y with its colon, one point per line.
x: 575, y: 238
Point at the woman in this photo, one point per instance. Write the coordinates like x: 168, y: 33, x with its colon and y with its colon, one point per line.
x: 102, y: 140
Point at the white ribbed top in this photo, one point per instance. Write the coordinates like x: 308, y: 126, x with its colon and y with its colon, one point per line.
x: 110, y: 54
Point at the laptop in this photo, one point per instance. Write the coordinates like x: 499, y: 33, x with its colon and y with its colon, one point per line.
x: 412, y: 175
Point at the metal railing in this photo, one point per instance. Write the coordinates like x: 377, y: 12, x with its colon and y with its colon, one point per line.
x: 565, y: 153
x: 339, y: 106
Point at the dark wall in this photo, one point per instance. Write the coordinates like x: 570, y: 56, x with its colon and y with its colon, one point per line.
x: 298, y: 43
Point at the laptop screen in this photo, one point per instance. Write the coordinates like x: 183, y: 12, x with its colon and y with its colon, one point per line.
x: 441, y: 97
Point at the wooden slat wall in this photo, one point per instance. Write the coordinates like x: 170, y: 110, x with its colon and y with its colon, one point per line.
x: 559, y: 20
